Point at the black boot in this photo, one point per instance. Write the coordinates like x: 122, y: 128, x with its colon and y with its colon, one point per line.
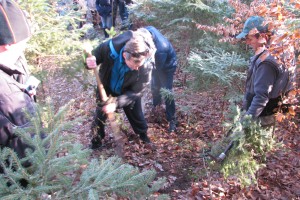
x: 96, y: 142
x: 172, y: 126
x: 145, y: 138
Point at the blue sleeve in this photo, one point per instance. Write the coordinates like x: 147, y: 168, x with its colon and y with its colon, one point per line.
x: 264, y: 80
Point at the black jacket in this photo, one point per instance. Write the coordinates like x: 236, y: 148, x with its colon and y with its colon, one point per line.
x: 14, y: 101
x: 135, y: 81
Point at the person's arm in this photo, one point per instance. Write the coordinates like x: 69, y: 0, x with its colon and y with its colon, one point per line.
x: 264, y: 80
x: 98, y: 55
x: 136, y: 91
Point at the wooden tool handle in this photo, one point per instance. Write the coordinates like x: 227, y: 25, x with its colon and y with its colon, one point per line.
x: 111, y: 117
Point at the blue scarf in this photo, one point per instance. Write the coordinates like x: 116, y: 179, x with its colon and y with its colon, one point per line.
x: 118, y: 73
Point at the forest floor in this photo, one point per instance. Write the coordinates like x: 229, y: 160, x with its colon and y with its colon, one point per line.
x: 178, y: 155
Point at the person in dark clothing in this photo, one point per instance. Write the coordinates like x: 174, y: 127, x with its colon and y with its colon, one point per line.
x: 16, y: 96
x: 163, y: 74
x: 125, y: 73
x: 104, y: 8
x: 268, y: 81
x: 123, y: 12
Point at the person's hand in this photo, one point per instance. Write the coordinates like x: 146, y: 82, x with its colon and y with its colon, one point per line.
x: 31, y: 90
x: 109, y: 108
x: 91, y: 62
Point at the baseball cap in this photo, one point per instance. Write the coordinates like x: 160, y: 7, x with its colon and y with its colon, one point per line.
x: 251, y: 23
x: 13, y: 23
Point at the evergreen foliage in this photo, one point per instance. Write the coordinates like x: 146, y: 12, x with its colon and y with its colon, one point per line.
x: 60, y: 168
x: 54, y: 28
x: 56, y: 35
x: 176, y: 20
x: 248, y: 154
x: 166, y: 94
x: 216, y: 67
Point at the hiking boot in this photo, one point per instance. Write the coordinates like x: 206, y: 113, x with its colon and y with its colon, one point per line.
x: 145, y: 138
x: 96, y: 143
x: 172, y: 126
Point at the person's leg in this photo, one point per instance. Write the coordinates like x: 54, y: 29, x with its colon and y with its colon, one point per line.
x: 137, y: 120
x: 166, y: 80
x: 98, y: 128
x: 109, y: 21
x: 123, y: 11
x: 155, y: 88
x: 104, y: 26
x: 115, y: 11
x: 109, y: 24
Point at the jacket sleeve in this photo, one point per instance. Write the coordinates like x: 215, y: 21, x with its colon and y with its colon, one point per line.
x: 265, y: 77
x: 101, y: 52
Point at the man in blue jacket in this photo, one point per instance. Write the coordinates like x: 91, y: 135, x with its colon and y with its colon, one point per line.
x: 163, y: 74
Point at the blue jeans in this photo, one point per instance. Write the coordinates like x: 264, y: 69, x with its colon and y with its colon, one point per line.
x: 163, y: 79
x: 106, y: 22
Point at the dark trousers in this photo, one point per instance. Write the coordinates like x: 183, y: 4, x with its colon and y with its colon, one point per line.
x: 133, y: 112
x: 163, y: 79
x: 123, y: 11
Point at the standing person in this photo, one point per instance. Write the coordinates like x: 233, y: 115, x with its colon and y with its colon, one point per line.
x: 104, y: 8
x: 123, y: 12
x: 163, y: 74
x: 268, y: 81
x: 125, y: 72
x: 16, y: 98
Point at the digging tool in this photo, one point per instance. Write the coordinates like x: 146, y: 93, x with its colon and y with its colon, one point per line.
x: 222, y: 155
x: 111, y: 117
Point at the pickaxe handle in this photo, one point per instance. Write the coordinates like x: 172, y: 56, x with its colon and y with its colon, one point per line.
x: 111, y: 117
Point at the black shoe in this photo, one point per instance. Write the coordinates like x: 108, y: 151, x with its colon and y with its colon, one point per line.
x: 145, y: 138
x: 96, y: 143
x: 172, y: 127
